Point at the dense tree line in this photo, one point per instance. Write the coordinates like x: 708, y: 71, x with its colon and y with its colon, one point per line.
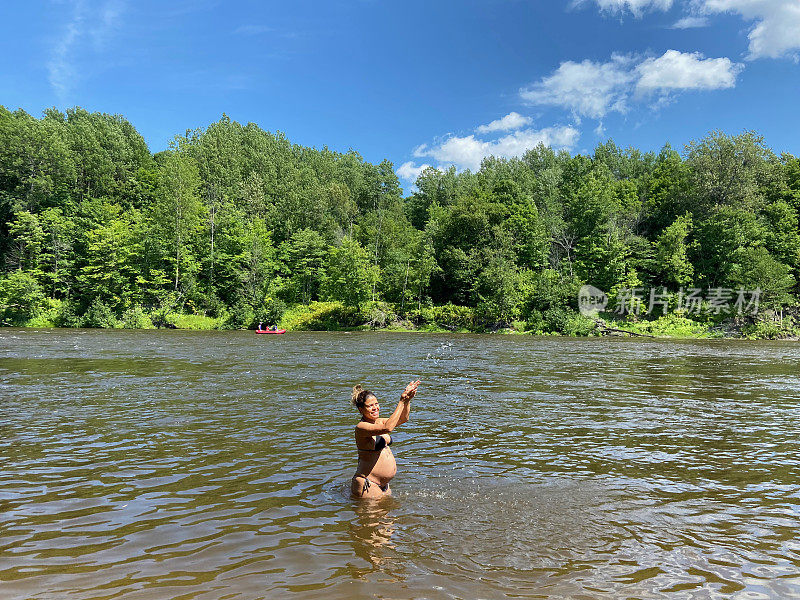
x: 238, y: 223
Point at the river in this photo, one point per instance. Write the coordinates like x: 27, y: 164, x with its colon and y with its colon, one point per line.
x: 216, y: 465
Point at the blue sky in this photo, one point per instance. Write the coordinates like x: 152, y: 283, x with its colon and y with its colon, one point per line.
x: 420, y: 83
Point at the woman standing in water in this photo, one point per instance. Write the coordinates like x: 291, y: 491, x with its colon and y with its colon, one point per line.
x: 376, y: 464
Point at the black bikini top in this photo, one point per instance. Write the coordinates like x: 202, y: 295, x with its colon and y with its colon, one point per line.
x: 380, y: 444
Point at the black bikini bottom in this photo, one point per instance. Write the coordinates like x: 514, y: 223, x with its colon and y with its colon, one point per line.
x: 368, y: 483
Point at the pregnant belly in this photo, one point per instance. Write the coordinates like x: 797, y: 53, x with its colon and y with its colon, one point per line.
x: 381, y: 470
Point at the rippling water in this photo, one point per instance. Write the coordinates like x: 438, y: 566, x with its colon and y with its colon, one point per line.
x: 211, y: 465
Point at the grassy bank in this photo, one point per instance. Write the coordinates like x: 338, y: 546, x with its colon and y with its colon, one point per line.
x: 335, y: 316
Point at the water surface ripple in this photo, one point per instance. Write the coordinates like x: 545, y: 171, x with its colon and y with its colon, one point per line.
x: 211, y: 465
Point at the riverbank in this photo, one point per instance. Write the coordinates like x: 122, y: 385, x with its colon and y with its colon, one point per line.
x: 448, y: 318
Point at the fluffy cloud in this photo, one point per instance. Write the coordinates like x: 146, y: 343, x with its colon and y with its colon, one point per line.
x: 512, y: 120
x: 684, y: 71
x: 637, y: 7
x: 409, y: 172
x: 776, y: 32
x: 591, y: 89
x: 690, y: 22
x: 467, y: 152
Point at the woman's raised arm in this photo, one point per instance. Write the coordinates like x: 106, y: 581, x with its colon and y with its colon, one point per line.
x: 411, y: 391
x: 399, y: 416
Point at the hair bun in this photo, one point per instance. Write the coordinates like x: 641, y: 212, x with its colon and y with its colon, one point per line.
x: 356, y: 393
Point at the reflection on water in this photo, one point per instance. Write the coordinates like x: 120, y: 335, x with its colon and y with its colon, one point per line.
x: 371, y: 531
x: 211, y: 465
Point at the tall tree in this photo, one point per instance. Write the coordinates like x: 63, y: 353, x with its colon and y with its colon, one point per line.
x: 179, y: 211
x: 350, y: 275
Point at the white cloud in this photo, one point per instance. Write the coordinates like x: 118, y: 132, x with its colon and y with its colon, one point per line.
x: 592, y: 89
x: 512, y: 120
x: 59, y: 67
x: 600, y: 130
x: 589, y: 89
x: 637, y: 7
x: 420, y: 150
x: 776, y: 32
x: 467, y: 152
x: 408, y: 171
x: 686, y: 71
x: 93, y: 24
x: 690, y: 22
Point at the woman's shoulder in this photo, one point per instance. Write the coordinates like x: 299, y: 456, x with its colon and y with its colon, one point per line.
x: 363, y: 429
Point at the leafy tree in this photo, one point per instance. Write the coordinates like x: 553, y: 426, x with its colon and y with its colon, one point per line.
x: 672, y: 253
x: 36, y: 167
x: 791, y: 180
x: 27, y: 236
x: 497, y: 288
x: 666, y: 192
x: 306, y: 252
x: 178, y: 212
x: 419, y: 271
x: 110, y: 271
x: 628, y: 165
x: 434, y: 187
x: 21, y: 298
x: 531, y: 240
x: 755, y: 268
x: 783, y: 233
x: 57, y: 250
x: 731, y: 171
x: 100, y: 315
x: 602, y: 255
x: 349, y: 274
x: 548, y: 289
x: 460, y: 234
x: 725, y: 232
x: 106, y: 150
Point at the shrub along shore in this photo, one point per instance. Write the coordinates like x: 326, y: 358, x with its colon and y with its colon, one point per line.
x: 381, y: 316
x: 234, y: 226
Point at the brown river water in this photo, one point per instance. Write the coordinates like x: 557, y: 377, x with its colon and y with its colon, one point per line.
x: 217, y: 465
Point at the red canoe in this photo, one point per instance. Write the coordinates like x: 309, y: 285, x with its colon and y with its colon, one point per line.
x: 268, y: 331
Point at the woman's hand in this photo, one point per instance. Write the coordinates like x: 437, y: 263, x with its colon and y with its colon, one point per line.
x: 410, y: 391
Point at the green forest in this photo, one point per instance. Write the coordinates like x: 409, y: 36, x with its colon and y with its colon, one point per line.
x: 233, y: 226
